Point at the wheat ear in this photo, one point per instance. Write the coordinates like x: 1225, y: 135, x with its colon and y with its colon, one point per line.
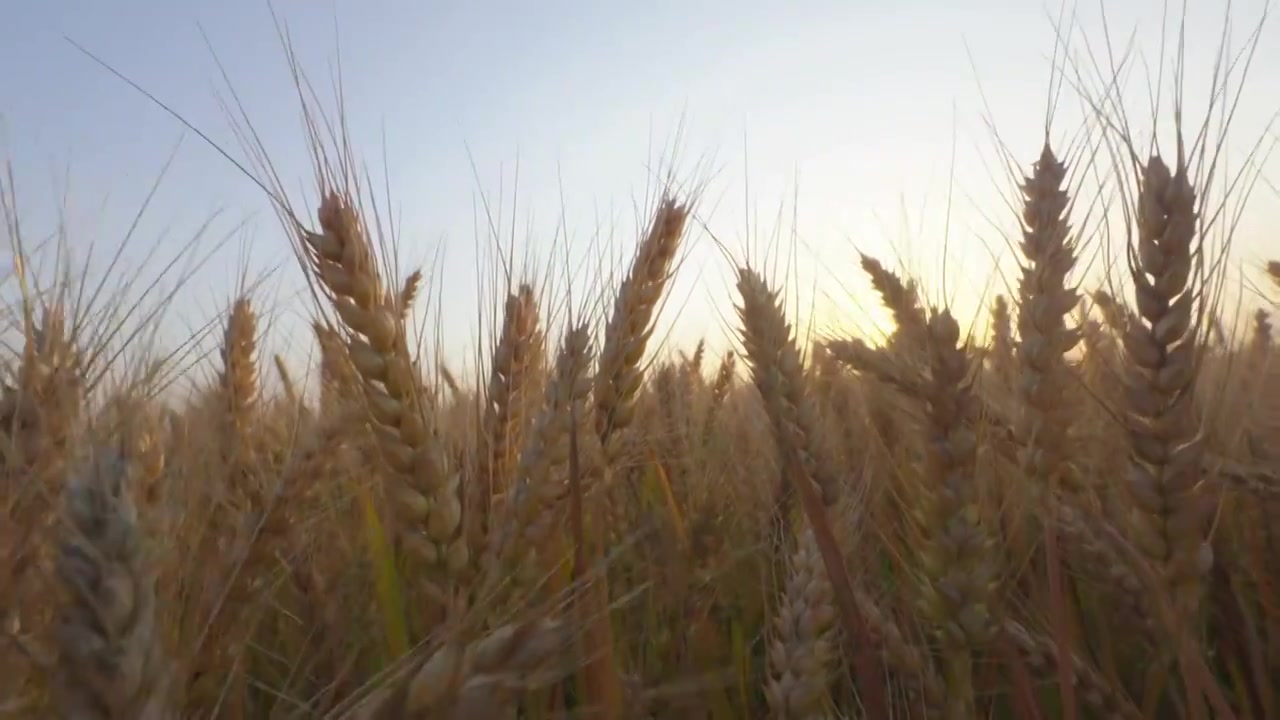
x: 518, y: 346
x: 619, y: 375
x: 111, y: 664
x: 482, y: 679
x: 409, y: 293
x: 903, y: 656
x: 338, y: 379
x: 778, y: 373
x: 1001, y: 339
x: 1044, y: 302
x: 780, y: 380
x: 902, y: 299
x: 239, y: 378
x: 529, y: 515
x: 1114, y: 315
x: 803, y: 650
x: 958, y: 560
x: 1170, y: 505
x: 1273, y: 271
x: 719, y: 391
x: 424, y: 485
x: 1096, y: 692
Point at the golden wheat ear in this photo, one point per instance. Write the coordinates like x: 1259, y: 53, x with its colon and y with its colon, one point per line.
x: 903, y: 300
x: 1171, y: 506
x: 777, y: 371
x: 514, y: 360
x: 518, y: 545
x: 1045, y: 300
x: 422, y: 480
x: 620, y: 375
x: 239, y: 378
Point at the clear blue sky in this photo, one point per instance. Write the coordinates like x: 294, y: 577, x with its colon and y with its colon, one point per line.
x: 845, y: 119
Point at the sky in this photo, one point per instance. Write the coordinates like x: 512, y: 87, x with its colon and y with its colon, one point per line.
x: 815, y: 129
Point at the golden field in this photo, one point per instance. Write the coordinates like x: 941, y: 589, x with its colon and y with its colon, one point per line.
x: 1066, y: 512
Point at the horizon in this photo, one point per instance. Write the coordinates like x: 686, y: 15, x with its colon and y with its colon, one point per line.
x: 864, y: 119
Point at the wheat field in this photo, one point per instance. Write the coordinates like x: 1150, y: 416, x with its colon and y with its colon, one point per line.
x: 1065, y: 512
